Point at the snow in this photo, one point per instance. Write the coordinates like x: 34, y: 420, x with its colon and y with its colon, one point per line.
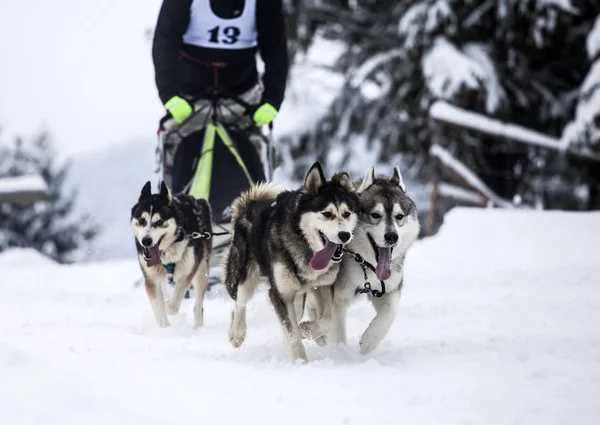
x: 495, y: 94
x: 448, y: 70
x: 26, y: 183
x: 467, y: 175
x: 593, y: 40
x: 497, y: 325
x: 375, y: 61
x: 428, y: 16
x: 565, y: 5
x: 460, y: 194
x: 582, y: 130
x: 447, y: 112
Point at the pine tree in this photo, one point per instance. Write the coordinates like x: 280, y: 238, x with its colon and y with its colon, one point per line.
x: 50, y: 226
x: 520, y: 61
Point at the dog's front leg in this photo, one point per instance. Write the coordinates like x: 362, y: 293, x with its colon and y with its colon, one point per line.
x: 314, y: 329
x: 284, y: 307
x: 157, y: 301
x: 337, y: 332
x: 385, y: 308
x: 200, y: 284
x: 182, y: 285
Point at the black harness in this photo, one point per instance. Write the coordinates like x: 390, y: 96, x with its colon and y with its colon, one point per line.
x: 364, y: 264
x: 170, y: 267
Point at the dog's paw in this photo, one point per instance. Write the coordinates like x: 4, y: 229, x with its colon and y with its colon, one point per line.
x: 369, y: 341
x: 237, y: 332
x: 321, y: 341
x: 313, y: 329
x: 172, y: 310
x: 236, y: 340
x: 306, y: 329
x: 163, y: 323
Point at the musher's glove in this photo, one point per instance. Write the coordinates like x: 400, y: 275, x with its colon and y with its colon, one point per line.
x: 179, y: 108
x: 264, y: 114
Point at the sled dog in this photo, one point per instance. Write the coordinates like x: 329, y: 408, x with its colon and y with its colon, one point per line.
x: 388, y: 226
x: 293, y: 240
x: 172, y: 236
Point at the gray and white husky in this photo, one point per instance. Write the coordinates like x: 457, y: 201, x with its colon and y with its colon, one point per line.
x: 387, y: 228
x: 172, y: 236
x: 293, y: 240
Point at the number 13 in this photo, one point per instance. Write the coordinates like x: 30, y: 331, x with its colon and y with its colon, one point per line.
x: 232, y: 34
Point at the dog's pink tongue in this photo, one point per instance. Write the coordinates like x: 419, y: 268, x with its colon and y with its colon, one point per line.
x: 383, y: 270
x: 154, y: 254
x: 321, y: 259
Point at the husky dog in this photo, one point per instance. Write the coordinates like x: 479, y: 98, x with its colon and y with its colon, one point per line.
x: 293, y: 240
x: 387, y: 228
x: 172, y: 236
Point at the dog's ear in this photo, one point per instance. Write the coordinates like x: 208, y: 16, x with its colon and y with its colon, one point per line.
x: 146, y: 190
x: 342, y: 179
x: 164, y: 191
x: 368, y: 180
x: 315, y: 179
x: 397, y: 179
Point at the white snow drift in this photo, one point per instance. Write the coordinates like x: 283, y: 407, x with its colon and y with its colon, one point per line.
x: 498, y: 324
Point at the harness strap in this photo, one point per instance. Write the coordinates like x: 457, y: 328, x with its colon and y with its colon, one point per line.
x: 214, y: 65
x: 207, y: 235
x: 367, y: 285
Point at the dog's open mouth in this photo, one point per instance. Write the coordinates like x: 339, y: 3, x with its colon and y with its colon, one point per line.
x: 330, y: 252
x: 152, y: 254
x: 383, y: 256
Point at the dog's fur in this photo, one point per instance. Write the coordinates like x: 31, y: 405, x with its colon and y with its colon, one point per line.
x: 277, y: 235
x: 163, y: 225
x: 385, y: 209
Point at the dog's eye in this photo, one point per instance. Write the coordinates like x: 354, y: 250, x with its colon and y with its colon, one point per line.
x: 399, y: 216
x: 159, y: 223
x: 142, y: 221
x: 327, y: 214
x: 346, y: 214
x: 375, y: 216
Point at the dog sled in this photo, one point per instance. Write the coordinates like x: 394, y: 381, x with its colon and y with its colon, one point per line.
x: 215, y: 154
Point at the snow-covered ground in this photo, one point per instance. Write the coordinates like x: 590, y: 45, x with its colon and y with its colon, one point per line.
x: 498, y: 324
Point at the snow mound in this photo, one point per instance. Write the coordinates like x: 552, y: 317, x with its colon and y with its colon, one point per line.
x: 25, y: 258
x: 517, y: 239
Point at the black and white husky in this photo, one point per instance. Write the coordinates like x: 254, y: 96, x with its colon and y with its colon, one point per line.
x: 172, y: 236
x: 387, y: 228
x: 293, y: 240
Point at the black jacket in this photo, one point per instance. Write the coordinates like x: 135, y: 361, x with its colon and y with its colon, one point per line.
x: 182, y: 69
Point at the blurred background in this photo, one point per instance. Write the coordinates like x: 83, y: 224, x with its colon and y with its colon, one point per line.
x: 490, y: 103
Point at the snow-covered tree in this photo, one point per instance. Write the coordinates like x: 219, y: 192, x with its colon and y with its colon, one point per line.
x: 520, y: 61
x: 584, y: 131
x: 49, y: 226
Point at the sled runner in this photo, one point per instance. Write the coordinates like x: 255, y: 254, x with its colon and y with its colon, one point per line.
x: 215, y: 154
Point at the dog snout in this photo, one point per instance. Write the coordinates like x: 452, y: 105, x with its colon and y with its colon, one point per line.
x: 146, y: 241
x: 344, y: 236
x: 391, y: 238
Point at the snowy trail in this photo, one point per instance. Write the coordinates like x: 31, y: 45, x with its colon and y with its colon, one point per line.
x: 487, y: 332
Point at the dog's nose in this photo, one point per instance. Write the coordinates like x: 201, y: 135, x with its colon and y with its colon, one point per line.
x: 391, y: 238
x: 146, y: 241
x: 344, y: 236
